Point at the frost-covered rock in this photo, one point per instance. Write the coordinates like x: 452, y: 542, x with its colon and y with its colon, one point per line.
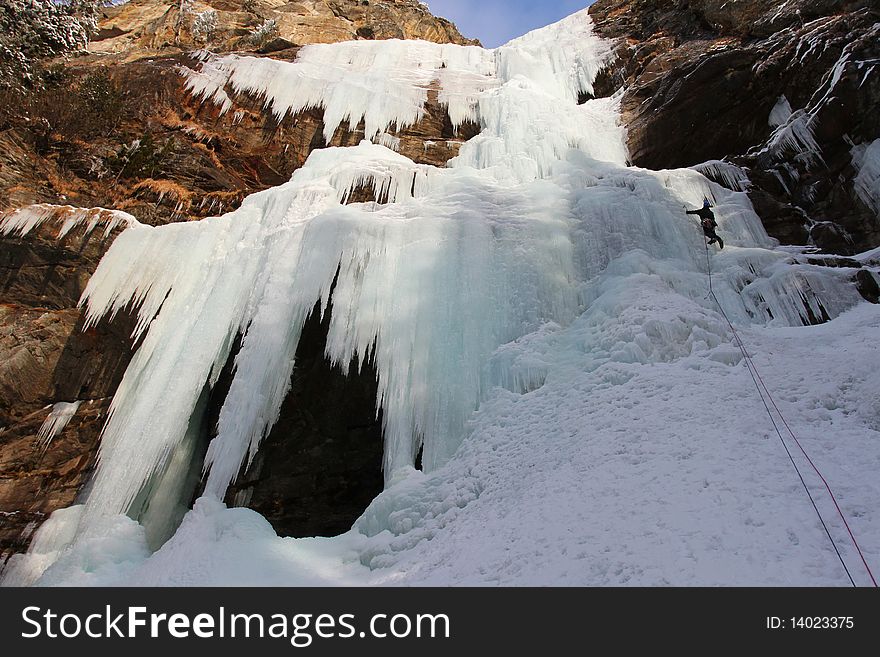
x: 783, y: 89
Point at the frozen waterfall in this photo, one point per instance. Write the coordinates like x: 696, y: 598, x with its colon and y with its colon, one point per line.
x: 532, y: 223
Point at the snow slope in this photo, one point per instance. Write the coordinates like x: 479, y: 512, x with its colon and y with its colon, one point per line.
x: 538, y: 318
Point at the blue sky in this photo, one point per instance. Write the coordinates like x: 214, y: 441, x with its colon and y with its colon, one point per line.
x: 494, y: 22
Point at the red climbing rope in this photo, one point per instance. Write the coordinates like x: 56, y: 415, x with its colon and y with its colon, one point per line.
x: 759, y: 384
x: 824, y: 481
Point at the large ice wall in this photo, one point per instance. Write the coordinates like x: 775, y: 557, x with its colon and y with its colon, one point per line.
x: 383, y: 83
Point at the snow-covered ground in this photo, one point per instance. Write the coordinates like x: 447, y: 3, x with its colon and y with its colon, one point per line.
x: 671, y: 473
x: 538, y: 317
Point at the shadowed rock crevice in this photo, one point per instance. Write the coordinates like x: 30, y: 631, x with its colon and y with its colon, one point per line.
x: 321, y: 464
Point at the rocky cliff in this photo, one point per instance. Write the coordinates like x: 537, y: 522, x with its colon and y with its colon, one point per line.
x: 140, y: 28
x: 787, y: 91
x: 117, y: 127
x: 48, y: 360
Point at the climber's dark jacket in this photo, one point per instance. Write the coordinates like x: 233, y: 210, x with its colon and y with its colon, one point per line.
x: 707, y: 219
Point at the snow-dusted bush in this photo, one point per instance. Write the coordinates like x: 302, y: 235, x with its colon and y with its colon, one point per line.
x: 204, y: 25
x: 264, y: 33
x: 31, y: 30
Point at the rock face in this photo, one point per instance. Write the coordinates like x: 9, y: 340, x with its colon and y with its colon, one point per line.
x: 790, y: 93
x: 46, y: 358
x: 124, y: 132
x: 117, y: 128
x: 145, y: 27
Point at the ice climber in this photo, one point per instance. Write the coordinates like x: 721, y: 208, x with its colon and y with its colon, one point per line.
x: 707, y: 219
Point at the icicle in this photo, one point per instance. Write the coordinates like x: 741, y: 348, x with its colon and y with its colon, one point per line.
x: 23, y: 220
x: 795, y: 136
x: 373, y: 81
x: 207, y: 84
x: 58, y: 418
x: 780, y: 113
x: 866, y: 160
x: 725, y: 173
x: 388, y: 141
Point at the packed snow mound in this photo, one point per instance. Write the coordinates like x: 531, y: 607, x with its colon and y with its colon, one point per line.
x: 537, y: 268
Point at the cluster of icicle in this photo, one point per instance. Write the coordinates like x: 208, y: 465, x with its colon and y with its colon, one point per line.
x: 22, y: 221
x: 866, y: 159
x: 516, y: 232
x: 59, y: 417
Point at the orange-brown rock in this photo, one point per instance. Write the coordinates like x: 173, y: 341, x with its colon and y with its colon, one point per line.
x: 47, y: 357
x: 142, y: 28
x: 36, y: 479
x: 166, y: 156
